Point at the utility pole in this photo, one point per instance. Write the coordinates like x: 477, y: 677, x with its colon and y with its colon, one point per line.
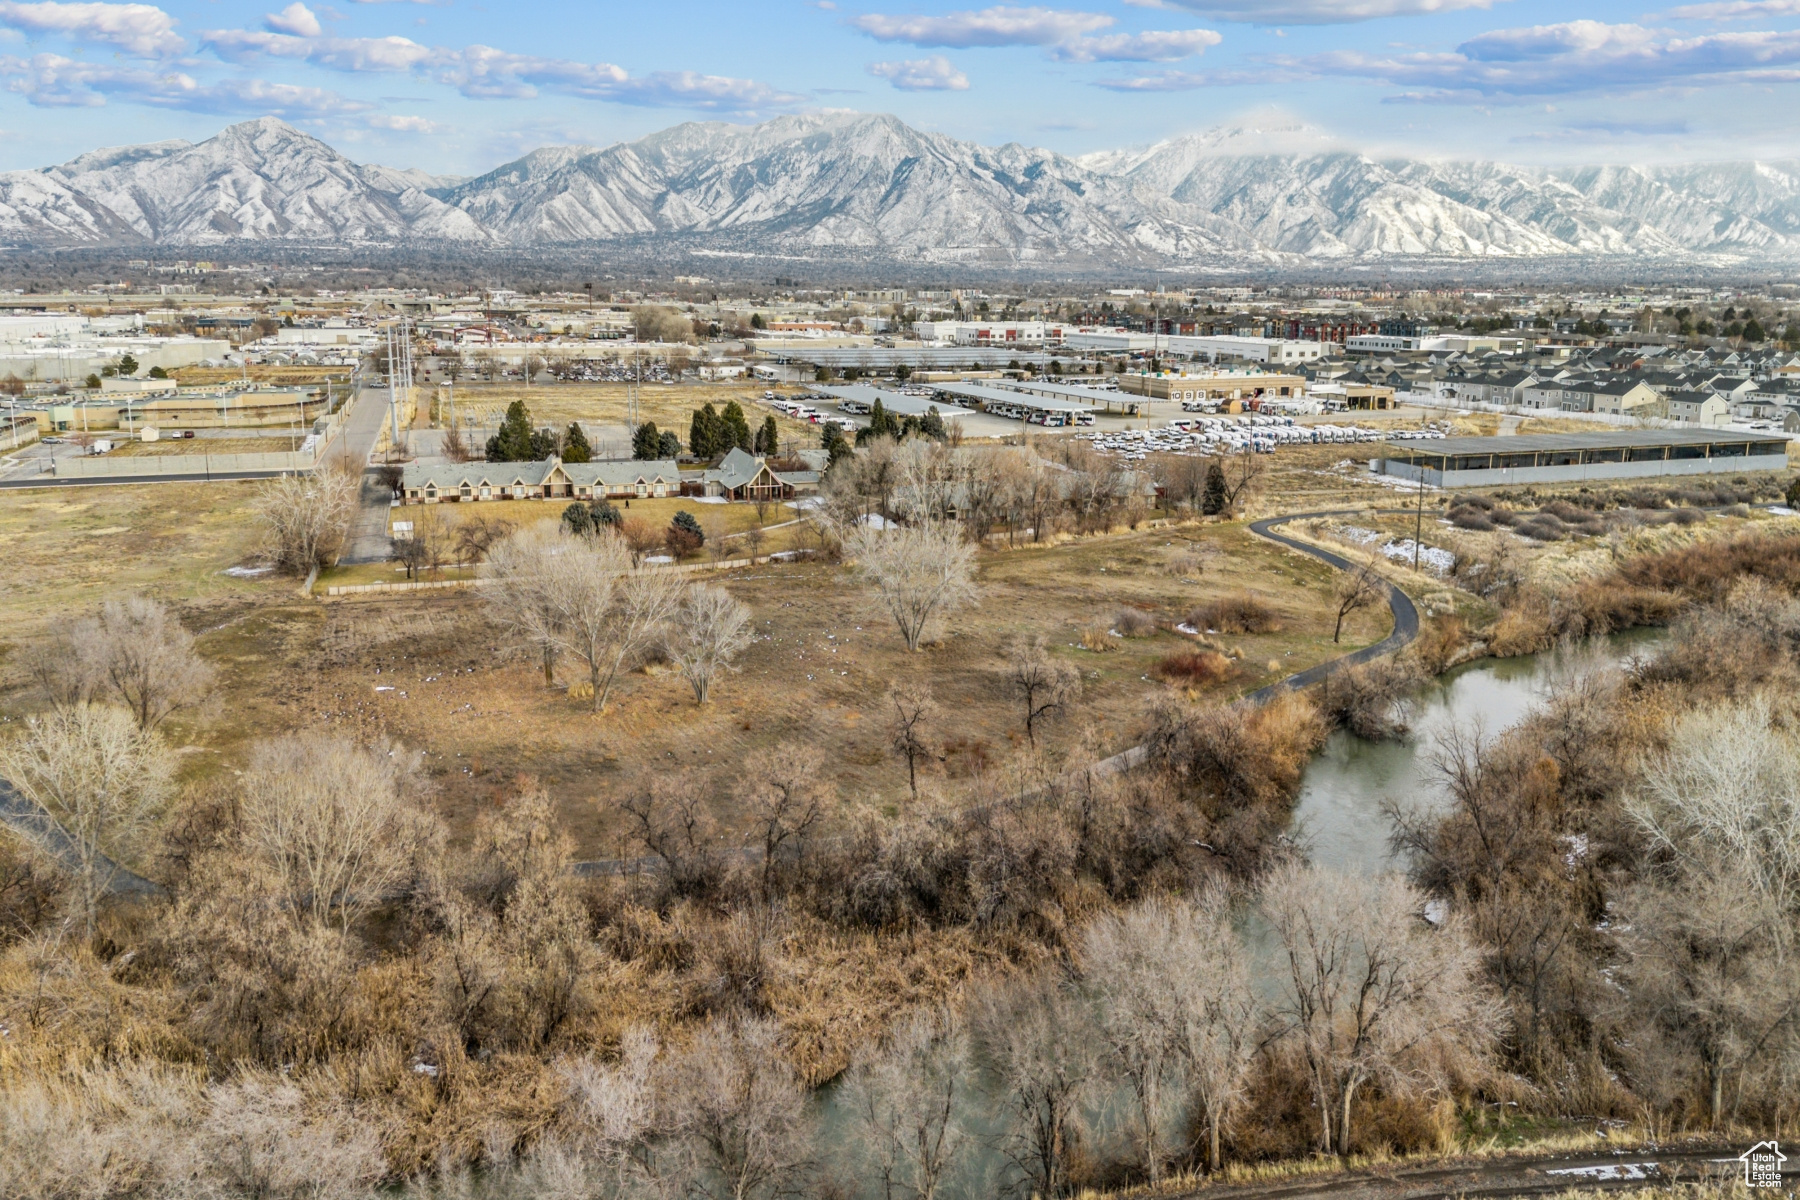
x: 1419, y: 518
x: 393, y: 393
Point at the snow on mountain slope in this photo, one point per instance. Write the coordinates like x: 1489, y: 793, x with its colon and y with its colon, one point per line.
x: 257, y: 179
x: 1265, y: 190
x: 37, y: 210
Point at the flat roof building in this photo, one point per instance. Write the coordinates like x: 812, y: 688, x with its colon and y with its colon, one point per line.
x: 1054, y: 411
x: 1583, y: 457
x: 858, y: 398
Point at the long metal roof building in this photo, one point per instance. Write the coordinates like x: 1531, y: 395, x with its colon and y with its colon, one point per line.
x: 1579, y: 457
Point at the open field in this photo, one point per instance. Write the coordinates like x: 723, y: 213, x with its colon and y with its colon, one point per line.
x: 453, y: 687
x: 66, y: 549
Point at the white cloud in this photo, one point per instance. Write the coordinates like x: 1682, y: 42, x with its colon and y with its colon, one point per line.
x: 1317, y: 12
x: 1156, y: 46
x: 53, y: 81
x: 934, y: 74
x: 1163, y: 81
x: 296, y: 19
x: 339, y: 54
x: 1734, y: 10
x: 999, y: 26
x: 403, y: 124
x: 142, y: 30
x: 483, y: 72
x: 1570, y: 58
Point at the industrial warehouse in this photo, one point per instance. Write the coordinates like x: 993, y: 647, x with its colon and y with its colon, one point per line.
x: 1584, y: 457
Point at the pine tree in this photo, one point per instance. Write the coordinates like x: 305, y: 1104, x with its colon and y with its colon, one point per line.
x: 646, y: 442
x: 513, y: 442
x: 703, y: 433
x: 768, y: 438
x: 836, y: 446
x: 604, y: 514
x: 1753, y: 331
x: 1215, y: 499
x: 932, y: 425
x: 578, y: 519
x: 670, y: 445
x: 686, y: 522
x: 575, y: 445
x: 544, y: 444
x: 736, y: 429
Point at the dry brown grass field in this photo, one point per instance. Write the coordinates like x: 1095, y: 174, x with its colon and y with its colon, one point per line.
x: 164, y: 447
x: 430, y: 671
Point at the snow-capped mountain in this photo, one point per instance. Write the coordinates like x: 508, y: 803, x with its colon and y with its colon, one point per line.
x: 257, y: 180
x: 850, y: 184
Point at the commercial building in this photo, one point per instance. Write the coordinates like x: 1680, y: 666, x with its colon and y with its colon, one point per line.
x: 1222, y: 386
x: 989, y: 333
x: 1247, y: 349
x: 1583, y: 457
x: 1035, y: 409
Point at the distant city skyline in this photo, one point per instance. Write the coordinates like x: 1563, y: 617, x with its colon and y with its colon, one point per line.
x: 462, y: 87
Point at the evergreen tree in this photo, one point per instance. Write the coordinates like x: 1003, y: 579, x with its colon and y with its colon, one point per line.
x: 1215, y: 498
x: 836, y: 445
x: 544, y: 444
x: 685, y: 521
x: 757, y: 322
x: 604, y: 515
x: 575, y: 445
x: 670, y: 444
x: 1753, y: 331
x: 703, y: 433
x: 736, y: 429
x: 932, y: 425
x: 128, y: 365
x: 881, y: 424
x: 646, y: 442
x: 768, y: 438
x: 578, y: 519
x: 513, y: 442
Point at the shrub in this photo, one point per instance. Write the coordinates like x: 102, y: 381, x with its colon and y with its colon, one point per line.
x: 1134, y: 623
x: 1097, y: 638
x: 1469, y: 518
x: 1368, y: 700
x: 1236, y: 614
x: 1193, y: 667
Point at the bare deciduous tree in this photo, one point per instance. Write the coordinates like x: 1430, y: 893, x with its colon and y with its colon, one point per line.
x: 332, y: 820
x: 913, y: 710
x: 1372, y: 990
x: 305, y: 519
x: 1042, y: 1068
x: 905, y: 1096
x: 1711, y: 928
x: 521, y: 599
x: 1356, y: 590
x: 919, y: 571
x: 738, y: 1109
x: 708, y: 630
x: 585, y: 595
x: 784, y: 794
x: 138, y: 652
x: 99, y: 782
x: 1177, y: 1014
x: 1044, y: 684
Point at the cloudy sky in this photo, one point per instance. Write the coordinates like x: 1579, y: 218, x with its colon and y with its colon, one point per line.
x: 455, y: 85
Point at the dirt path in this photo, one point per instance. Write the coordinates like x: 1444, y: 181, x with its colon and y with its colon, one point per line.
x: 1520, y: 1175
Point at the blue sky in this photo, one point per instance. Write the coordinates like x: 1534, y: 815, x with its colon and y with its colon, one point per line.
x: 455, y: 85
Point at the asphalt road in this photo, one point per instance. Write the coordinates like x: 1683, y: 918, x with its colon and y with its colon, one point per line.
x: 1406, y: 614
x: 368, y: 541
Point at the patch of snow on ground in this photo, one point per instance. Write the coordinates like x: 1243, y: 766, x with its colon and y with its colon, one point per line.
x: 1781, y: 510
x: 1359, y: 535
x: 1608, y: 1171
x: 708, y: 499
x: 875, y: 521
x: 659, y: 559
x: 247, y: 572
x: 1438, y: 560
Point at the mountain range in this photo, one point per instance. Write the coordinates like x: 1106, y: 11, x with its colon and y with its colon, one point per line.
x: 850, y: 184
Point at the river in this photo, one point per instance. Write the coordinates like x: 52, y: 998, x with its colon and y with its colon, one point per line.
x: 1338, y: 815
